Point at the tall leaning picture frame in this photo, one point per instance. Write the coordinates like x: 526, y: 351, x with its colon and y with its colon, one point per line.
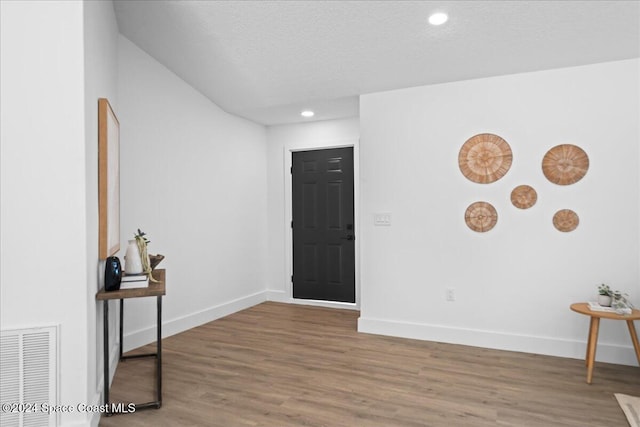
x: 108, y: 180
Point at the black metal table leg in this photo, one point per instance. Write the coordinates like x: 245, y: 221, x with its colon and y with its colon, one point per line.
x: 105, y: 332
x: 157, y: 289
x: 121, y: 325
x: 159, y: 351
x: 157, y: 355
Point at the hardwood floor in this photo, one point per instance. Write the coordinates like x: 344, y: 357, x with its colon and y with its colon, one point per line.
x: 289, y: 365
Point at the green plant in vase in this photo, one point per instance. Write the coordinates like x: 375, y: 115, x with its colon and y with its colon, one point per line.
x: 604, y: 295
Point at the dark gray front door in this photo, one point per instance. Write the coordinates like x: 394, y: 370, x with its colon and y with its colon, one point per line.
x: 323, y: 226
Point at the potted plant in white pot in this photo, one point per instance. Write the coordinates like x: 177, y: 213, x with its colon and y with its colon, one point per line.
x: 604, y: 295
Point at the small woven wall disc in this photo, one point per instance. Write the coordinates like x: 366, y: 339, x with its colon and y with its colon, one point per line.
x: 485, y: 158
x: 523, y: 197
x: 565, y: 164
x: 566, y: 220
x: 481, y: 216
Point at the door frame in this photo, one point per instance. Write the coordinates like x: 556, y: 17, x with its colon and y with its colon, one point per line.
x: 289, y: 149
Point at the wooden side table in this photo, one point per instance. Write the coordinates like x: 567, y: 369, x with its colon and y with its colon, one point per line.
x: 583, y: 308
x: 153, y: 290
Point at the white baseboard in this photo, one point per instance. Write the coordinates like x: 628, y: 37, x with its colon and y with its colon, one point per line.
x: 94, y: 418
x: 281, y: 296
x: 180, y: 324
x: 277, y: 296
x: 574, y: 349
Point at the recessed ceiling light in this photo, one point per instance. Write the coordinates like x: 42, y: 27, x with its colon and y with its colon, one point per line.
x: 307, y: 113
x: 438, y: 18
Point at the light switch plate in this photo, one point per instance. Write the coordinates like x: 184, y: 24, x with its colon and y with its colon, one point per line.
x: 382, y: 219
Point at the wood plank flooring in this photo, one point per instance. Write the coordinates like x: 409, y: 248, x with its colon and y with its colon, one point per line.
x: 289, y: 365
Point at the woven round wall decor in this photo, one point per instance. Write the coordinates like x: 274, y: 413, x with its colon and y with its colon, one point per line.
x: 485, y: 158
x: 566, y: 220
x: 481, y: 216
x: 523, y: 197
x: 565, y: 164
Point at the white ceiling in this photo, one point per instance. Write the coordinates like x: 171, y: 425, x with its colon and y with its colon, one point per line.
x: 268, y: 60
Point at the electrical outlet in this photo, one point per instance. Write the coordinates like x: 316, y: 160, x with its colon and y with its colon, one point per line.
x: 450, y: 294
x: 382, y: 219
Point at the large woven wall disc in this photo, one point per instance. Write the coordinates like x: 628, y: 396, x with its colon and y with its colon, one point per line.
x: 481, y: 216
x: 566, y: 220
x: 485, y: 158
x: 565, y: 164
x: 523, y: 197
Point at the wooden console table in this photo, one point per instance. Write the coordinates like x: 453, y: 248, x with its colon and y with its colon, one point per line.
x: 583, y: 308
x: 153, y: 290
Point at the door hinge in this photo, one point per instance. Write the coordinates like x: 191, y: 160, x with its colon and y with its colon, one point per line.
x: 292, y: 278
x: 291, y: 170
x: 291, y: 224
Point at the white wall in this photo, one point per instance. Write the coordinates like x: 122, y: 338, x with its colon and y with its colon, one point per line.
x: 280, y: 141
x: 100, y: 50
x: 43, y: 260
x: 194, y: 179
x: 513, y: 284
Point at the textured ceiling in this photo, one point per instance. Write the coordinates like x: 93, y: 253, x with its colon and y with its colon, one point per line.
x: 267, y: 60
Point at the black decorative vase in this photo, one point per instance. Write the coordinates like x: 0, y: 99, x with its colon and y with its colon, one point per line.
x: 112, y: 274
